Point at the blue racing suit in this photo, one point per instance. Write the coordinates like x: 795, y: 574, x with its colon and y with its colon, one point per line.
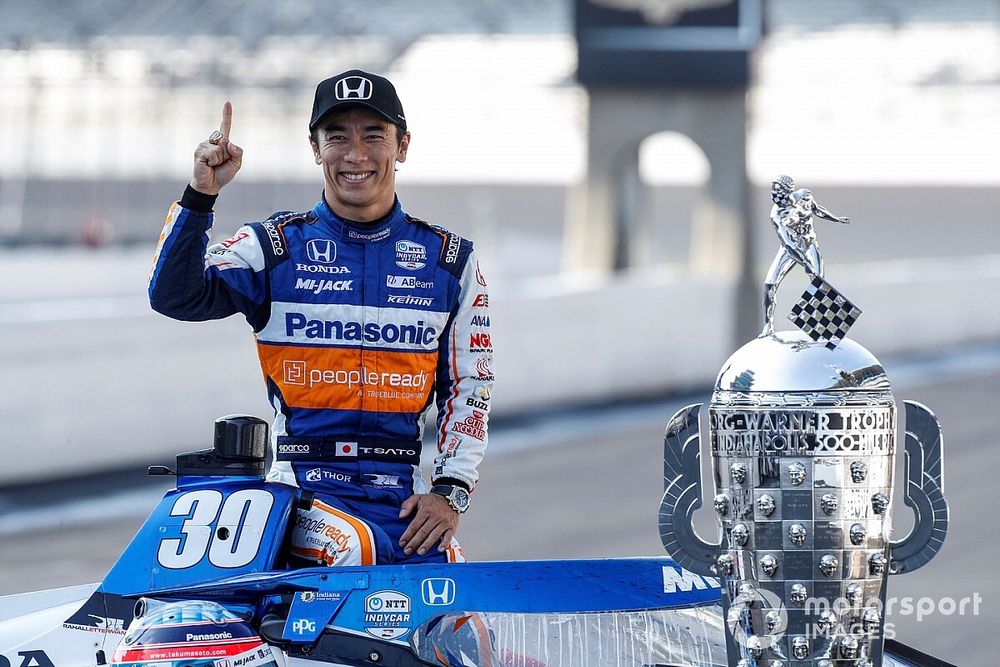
x: 359, y: 327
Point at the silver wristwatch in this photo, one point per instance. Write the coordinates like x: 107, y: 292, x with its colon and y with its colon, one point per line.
x: 457, y: 497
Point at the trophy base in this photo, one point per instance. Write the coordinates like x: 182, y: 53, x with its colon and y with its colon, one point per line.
x: 897, y: 653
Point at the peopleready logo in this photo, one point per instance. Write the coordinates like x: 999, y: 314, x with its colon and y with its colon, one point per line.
x: 298, y: 325
x: 296, y: 373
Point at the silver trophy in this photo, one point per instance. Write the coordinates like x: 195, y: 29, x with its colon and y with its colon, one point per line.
x: 802, y: 429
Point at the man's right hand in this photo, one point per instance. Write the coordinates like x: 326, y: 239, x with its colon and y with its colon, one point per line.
x: 216, y: 164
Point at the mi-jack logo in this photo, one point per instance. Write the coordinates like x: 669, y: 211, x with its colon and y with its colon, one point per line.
x: 438, y: 592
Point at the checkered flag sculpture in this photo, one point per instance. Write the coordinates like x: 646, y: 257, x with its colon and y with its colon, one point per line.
x: 823, y: 313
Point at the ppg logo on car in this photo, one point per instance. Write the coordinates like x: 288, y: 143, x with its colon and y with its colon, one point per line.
x: 303, y: 626
x: 438, y: 592
x: 323, y: 251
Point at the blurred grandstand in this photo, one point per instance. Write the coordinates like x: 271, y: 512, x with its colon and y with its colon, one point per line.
x: 104, y: 100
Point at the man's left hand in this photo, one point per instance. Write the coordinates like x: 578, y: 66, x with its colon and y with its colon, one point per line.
x: 434, y: 521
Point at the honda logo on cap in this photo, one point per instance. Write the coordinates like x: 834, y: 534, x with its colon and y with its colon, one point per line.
x: 438, y: 592
x: 323, y: 251
x: 354, y: 88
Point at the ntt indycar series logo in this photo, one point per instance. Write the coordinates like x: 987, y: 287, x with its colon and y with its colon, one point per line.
x: 410, y: 255
x: 298, y: 325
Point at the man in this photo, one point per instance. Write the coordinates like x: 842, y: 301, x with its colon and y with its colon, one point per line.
x: 792, y: 218
x: 363, y: 315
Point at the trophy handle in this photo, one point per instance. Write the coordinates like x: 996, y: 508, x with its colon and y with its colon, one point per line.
x: 682, y: 495
x: 924, y: 491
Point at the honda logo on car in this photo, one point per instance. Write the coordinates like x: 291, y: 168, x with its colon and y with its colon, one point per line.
x: 323, y: 251
x: 387, y: 614
x: 370, y: 332
x: 410, y: 255
x: 438, y: 592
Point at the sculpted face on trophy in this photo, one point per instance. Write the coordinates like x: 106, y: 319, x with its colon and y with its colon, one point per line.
x: 800, y: 648
x: 828, y: 503
x: 797, y: 534
x: 796, y: 473
x: 766, y: 504
x: 739, y: 473
x: 769, y: 565
x: 801, y: 430
x: 721, y: 504
x: 741, y: 534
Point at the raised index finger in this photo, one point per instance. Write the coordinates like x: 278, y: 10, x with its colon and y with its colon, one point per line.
x: 227, y: 119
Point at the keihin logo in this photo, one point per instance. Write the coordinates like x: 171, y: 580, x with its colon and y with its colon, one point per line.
x: 353, y: 88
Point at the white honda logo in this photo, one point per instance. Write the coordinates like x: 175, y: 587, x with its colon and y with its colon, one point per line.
x: 323, y: 251
x: 354, y: 88
x: 438, y: 592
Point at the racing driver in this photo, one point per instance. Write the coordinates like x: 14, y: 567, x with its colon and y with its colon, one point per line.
x: 363, y: 315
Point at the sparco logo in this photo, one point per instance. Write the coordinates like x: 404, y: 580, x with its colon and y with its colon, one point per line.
x: 353, y: 88
x: 277, y: 247
x: 451, y: 252
x: 323, y: 251
x: 293, y: 449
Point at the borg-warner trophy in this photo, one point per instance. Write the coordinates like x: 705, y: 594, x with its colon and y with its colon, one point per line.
x: 802, y: 429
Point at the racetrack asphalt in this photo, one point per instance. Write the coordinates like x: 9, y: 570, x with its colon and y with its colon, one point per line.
x: 585, y: 491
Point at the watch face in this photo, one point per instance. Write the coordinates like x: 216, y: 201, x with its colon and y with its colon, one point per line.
x: 460, y: 497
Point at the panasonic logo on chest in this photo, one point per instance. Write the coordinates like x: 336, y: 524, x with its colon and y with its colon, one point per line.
x: 316, y: 286
x: 297, y: 324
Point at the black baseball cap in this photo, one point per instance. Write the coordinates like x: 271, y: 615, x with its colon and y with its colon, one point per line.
x: 357, y: 88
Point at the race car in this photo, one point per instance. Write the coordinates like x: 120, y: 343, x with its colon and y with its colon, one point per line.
x: 204, y: 583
